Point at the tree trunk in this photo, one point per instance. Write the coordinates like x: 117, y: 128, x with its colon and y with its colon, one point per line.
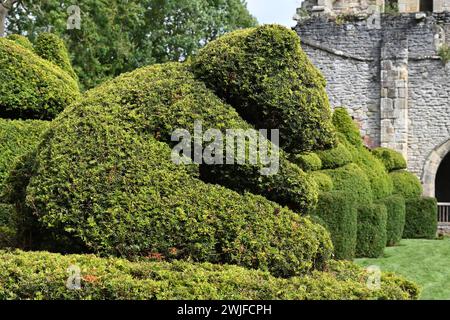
x: 3, y: 15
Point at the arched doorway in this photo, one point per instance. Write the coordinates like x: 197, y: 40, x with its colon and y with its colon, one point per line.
x: 442, y: 184
x: 431, y: 167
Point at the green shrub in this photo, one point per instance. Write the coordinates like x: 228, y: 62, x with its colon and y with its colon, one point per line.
x: 340, y: 217
x: 41, y: 275
x: 421, y: 218
x: 345, y: 125
x: 307, y: 161
x: 371, y: 239
x: 396, y: 211
x: 335, y: 158
x: 52, y: 48
x: 266, y: 76
x: 16, y: 138
x: 353, y: 181
x: 32, y: 88
x: 21, y: 40
x: 7, y: 226
x: 323, y: 181
x: 98, y: 181
x: 406, y: 184
x: 392, y: 160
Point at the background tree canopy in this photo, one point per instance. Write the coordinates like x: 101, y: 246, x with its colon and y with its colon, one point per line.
x: 117, y: 36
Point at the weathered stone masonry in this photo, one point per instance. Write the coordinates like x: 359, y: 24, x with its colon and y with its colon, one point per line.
x: 391, y: 79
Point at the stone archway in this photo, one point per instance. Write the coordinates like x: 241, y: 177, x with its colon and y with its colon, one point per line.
x: 431, y: 168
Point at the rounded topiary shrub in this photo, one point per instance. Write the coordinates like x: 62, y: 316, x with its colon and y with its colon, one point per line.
x: 117, y: 279
x: 406, y: 184
x: 100, y: 180
x: 335, y: 157
x: 339, y: 214
x: 322, y: 180
x: 266, y: 76
x: 307, y: 161
x: 52, y: 48
x: 32, y: 87
x: 17, y: 137
x: 421, y: 218
x: 392, y: 160
x: 353, y: 181
x: 346, y: 126
x: 371, y: 239
x: 22, y: 41
x: 396, y: 212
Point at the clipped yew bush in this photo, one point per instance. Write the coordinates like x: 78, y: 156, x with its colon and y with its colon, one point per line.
x: 32, y: 87
x: 346, y: 126
x: 22, y: 41
x: 7, y: 226
x: 396, y: 212
x: 339, y: 214
x: 322, y: 180
x: 335, y: 157
x: 266, y: 76
x: 21, y: 278
x: 406, y: 184
x: 17, y: 137
x: 421, y: 218
x: 307, y: 161
x: 52, y: 48
x: 354, y: 182
x: 371, y: 239
x: 392, y: 160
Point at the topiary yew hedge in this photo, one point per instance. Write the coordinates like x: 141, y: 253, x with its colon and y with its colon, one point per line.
x: 266, y: 76
x: 421, y: 218
x: 392, y: 160
x: 371, y: 239
x: 22, y: 278
x: 32, y: 87
x: 396, y: 212
x: 406, y: 184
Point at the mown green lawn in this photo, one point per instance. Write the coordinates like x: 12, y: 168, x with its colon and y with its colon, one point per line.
x: 426, y: 262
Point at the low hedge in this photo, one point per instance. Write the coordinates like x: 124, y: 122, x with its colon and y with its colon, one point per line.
x: 353, y: 181
x: 340, y: 217
x: 264, y: 73
x: 335, y: 158
x: 307, y: 161
x: 32, y: 87
x: 52, y: 48
x: 392, y: 160
x: 406, y: 184
x: 421, y: 218
x: 43, y: 276
x: 371, y: 239
x: 16, y: 138
x: 396, y: 212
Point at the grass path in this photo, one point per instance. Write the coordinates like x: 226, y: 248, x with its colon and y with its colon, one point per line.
x: 426, y: 262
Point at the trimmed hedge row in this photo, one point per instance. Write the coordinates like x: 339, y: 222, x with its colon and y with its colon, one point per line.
x: 7, y: 226
x: 421, y: 218
x: 340, y: 217
x: 40, y: 275
x: 99, y: 181
x: 16, y: 138
x: 406, y: 184
x: 266, y: 76
x: 32, y: 87
x: 392, y: 160
x: 336, y: 157
x: 396, y: 211
x: 371, y: 239
x: 322, y: 180
x: 52, y: 48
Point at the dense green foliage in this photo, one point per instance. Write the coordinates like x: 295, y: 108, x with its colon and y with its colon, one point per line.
x: 371, y: 239
x: 22, y: 41
x: 322, y: 180
x: 307, y: 161
x: 345, y: 125
x: 266, y: 76
x: 32, y: 88
x: 118, y: 36
x: 406, y: 184
x: 396, y: 212
x: 25, y: 276
x: 7, y: 226
x: 335, y: 157
x: 338, y: 212
x: 50, y: 47
x: 421, y: 218
x: 392, y: 160
x: 354, y: 182
x: 17, y: 137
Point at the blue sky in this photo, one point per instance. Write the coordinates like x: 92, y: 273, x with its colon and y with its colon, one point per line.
x: 274, y: 11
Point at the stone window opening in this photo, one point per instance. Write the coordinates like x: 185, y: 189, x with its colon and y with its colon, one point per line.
x: 426, y: 5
